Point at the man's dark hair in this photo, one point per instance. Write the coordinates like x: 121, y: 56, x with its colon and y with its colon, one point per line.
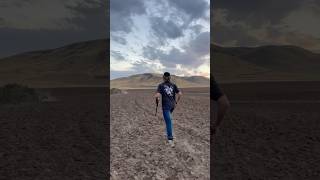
x: 166, y: 76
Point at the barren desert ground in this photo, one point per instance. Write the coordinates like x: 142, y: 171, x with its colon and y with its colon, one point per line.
x: 272, y: 131
x: 62, y: 139
x: 138, y: 143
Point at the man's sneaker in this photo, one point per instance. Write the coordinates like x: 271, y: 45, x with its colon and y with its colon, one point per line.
x: 171, y: 143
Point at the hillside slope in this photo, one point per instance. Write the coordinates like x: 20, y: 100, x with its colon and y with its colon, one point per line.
x: 264, y: 63
x: 78, y: 64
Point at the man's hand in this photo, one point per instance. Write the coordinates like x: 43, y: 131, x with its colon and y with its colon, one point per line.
x: 179, y: 94
x: 157, y: 95
x: 157, y: 103
x: 175, y: 105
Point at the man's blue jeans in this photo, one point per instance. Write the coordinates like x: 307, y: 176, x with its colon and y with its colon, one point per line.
x: 168, y: 120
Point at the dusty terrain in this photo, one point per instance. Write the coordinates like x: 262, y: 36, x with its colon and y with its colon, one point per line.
x: 138, y: 143
x: 61, y: 139
x: 271, y: 132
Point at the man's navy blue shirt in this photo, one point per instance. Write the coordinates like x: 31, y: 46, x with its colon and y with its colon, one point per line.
x: 168, y: 91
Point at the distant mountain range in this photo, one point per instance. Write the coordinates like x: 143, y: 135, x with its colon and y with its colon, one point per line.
x: 86, y: 64
x: 264, y: 63
x: 150, y: 80
x: 78, y: 64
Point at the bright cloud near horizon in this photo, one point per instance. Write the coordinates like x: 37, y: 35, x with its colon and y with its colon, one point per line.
x: 153, y: 36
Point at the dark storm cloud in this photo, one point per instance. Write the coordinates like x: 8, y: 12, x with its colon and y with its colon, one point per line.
x: 170, y: 59
x: 91, y: 17
x: 121, y: 12
x: 201, y: 44
x: 257, y: 12
x: 17, y: 3
x: 47, y: 14
x: 142, y: 66
x: 189, y: 56
x: 196, y: 28
x: 165, y: 29
x: 163, y: 34
x: 117, y: 55
x: 234, y: 35
x: 256, y: 23
x: 182, y: 11
x: 34, y: 25
x: 195, y: 9
x: 119, y: 39
x: 152, y: 52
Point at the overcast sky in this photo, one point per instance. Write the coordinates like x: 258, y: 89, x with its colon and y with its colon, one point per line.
x: 27, y: 25
x: 261, y: 22
x: 159, y: 35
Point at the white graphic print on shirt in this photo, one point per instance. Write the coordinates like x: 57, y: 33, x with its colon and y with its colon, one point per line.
x: 168, y: 90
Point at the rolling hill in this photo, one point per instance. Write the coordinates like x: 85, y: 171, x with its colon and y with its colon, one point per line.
x: 264, y: 63
x: 150, y: 80
x: 86, y: 64
x: 78, y: 64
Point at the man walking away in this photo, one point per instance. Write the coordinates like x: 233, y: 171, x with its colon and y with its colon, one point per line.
x: 168, y: 91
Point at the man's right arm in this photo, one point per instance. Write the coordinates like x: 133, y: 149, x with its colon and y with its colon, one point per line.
x: 223, y: 106
x: 158, y: 95
x: 222, y: 100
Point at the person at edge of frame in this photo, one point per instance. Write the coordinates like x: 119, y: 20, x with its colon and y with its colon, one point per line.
x: 223, y: 103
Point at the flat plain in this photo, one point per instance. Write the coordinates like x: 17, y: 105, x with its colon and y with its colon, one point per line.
x: 139, y: 149
x: 270, y: 132
x: 63, y: 138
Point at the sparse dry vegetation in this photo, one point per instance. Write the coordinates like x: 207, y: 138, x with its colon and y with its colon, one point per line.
x: 115, y: 91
